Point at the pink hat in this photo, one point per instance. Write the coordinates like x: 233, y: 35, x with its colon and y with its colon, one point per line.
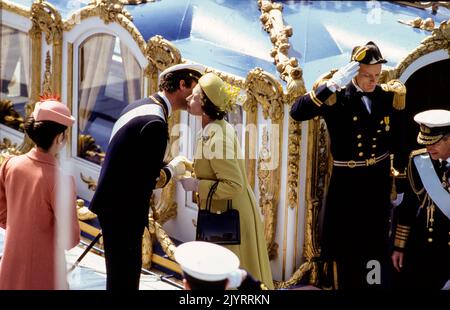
x: 50, y: 109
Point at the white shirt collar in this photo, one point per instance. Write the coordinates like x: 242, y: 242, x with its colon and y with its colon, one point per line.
x: 169, y: 106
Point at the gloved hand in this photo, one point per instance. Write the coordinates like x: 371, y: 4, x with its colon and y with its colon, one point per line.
x: 177, y: 166
x: 343, y: 76
x: 190, y: 184
x: 236, y: 278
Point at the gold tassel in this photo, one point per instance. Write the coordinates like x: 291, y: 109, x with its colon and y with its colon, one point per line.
x: 399, y: 101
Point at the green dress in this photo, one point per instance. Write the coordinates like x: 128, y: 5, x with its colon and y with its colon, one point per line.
x: 219, y: 157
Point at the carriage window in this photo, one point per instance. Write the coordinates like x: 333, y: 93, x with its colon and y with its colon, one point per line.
x: 109, y: 79
x: 14, y: 76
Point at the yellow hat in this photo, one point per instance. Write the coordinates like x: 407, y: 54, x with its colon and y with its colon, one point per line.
x: 220, y: 93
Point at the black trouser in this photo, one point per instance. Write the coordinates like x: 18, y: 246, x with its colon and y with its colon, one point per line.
x: 363, y: 274
x: 122, y: 242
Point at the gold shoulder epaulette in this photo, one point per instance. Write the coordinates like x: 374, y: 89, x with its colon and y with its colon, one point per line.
x: 323, y: 79
x: 399, y: 90
x: 417, y: 152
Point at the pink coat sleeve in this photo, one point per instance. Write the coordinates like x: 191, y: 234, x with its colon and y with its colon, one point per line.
x: 66, y: 213
x: 3, y: 209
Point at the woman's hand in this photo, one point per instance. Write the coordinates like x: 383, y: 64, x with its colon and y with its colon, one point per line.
x: 190, y: 184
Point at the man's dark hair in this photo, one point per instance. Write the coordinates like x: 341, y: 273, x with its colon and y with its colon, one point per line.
x: 211, y: 109
x: 171, y: 81
x: 197, y: 284
x: 43, y: 132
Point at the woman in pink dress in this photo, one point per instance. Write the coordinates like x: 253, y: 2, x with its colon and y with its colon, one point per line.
x: 40, y: 222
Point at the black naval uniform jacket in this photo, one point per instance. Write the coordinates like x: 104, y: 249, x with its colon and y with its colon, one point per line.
x: 356, y: 219
x: 423, y: 233
x: 132, y: 165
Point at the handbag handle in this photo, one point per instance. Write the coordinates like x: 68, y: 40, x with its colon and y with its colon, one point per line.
x: 211, y: 192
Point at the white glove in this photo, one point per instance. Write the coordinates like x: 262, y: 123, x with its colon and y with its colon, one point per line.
x: 343, y: 76
x: 235, y: 278
x: 190, y: 184
x: 177, y: 166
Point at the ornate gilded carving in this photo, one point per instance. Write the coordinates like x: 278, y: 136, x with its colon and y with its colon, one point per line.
x: 89, y: 150
x: 83, y: 212
x: 434, y: 5
x: 135, y: 1
x: 164, y: 240
x: 439, y: 39
x: 267, y: 190
x: 91, y: 183
x: 109, y: 11
x: 45, y: 18
x: 272, y: 20
x: 47, y: 83
x: 8, y: 149
x: 162, y: 53
x: 15, y: 8
x: 9, y: 116
x: 263, y: 88
x: 418, y: 22
x: 294, y: 137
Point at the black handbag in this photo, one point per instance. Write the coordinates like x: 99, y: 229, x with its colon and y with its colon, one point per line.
x: 219, y: 228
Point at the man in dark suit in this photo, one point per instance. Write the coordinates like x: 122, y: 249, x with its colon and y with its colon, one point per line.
x: 364, y: 125
x: 422, y: 236
x: 132, y: 167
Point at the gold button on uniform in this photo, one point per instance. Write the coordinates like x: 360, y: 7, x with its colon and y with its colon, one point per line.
x: 381, y: 123
x: 430, y: 239
x: 358, y: 136
x: 374, y: 146
x: 359, y: 144
x: 355, y: 118
x: 361, y: 154
x: 374, y: 139
x: 430, y: 229
x: 378, y: 130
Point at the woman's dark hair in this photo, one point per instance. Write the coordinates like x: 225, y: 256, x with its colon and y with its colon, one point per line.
x: 197, y: 284
x: 211, y: 109
x: 171, y: 81
x: 43, y: 132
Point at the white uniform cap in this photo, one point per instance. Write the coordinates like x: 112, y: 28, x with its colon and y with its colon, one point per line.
x: 434, y: 124
x: 191, y: 66
x: 206, y: 261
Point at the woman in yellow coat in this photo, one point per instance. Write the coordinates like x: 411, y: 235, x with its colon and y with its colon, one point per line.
x: 219, y: 157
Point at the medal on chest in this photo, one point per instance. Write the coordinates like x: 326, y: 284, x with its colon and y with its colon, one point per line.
x: 387, y: 121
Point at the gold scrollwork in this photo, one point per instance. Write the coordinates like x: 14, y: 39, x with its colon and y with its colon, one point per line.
x: 8, y: 149
x: 9, y: 116
x: 91, y: 183
x: 15, y: 8
x: 418, y: 22
x: 272, y: 21
x: 109, y: 11
x: 133, y: 2
x: 47, y: 83
x: 89, y: 150
x: 263, y: 88
x: 45, y: 18
x: 162, y: 53
x: 267, y: 190
x: 439, y: 39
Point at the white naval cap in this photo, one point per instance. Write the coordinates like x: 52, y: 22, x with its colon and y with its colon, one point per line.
x: 183, y: 66
x: 434, y: 124
x: 206, y: 261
